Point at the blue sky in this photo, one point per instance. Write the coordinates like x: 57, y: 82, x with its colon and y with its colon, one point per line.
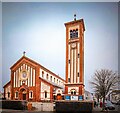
x: 38, y: 29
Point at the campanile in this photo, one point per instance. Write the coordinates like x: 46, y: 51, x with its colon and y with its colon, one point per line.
x: 75, y: 58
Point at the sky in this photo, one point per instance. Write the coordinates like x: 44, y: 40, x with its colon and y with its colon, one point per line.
x: 38, y: 28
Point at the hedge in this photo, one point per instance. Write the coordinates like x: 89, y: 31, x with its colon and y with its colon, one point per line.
x: 14, y: 104
x: 73, y: 106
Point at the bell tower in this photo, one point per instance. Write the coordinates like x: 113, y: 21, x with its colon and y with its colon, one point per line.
x: 74, y: 86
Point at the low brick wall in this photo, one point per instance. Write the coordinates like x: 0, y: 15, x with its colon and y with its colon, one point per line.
x: 43, y: 106
x: 74, y: 106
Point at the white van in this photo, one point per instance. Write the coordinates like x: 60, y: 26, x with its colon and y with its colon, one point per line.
x: 109, y: 105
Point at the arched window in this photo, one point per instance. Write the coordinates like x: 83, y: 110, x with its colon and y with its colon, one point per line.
x: 42, y: 74
x: 76, y: 33
x: 16, y: 94
x: 8, y: 94
x: 68, y: 79
x: 31, y: 94
x: 71, y: 34
x: 45, y: 94
x: 51, y: 78
x: 73, y: 92
x: 47, y: 76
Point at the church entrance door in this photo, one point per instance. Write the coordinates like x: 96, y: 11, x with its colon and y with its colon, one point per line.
x: 24, y: 96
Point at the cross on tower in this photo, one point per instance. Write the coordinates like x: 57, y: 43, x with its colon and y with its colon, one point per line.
x: 24, y: 53
x: 74, y: 17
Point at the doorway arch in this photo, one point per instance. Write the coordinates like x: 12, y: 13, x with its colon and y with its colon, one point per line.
x: 23, y: 94
x: 59, y: 96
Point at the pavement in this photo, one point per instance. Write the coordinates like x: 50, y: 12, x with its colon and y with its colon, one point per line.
x: 99, y: 110
x: 23, y: 111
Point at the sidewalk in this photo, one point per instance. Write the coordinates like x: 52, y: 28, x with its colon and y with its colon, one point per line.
x: 24, y: 111
x: 10, y: 110
x: 96, y: 109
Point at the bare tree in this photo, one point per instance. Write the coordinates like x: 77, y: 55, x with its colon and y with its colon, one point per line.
x: 104, y: 81
x: 97, y: 95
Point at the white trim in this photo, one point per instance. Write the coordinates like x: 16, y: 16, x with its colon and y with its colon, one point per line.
x: 28, y: 76
x: 71, y: 81
x: 75, y: 66
x: 33, y: 77
x: 14, y: 79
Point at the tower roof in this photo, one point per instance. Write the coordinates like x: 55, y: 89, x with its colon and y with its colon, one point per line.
x: 75, y: 22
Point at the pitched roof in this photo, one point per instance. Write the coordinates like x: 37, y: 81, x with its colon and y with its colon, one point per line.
x: 6, y: 84
x: 24, y: 57
x: 51, y: 83
x: 30, y: 60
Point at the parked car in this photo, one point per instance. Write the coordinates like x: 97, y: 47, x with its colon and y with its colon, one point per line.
x: 118, y: 102
x: 109, y: 105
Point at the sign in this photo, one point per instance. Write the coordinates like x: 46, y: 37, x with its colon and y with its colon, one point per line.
x: 67, y: 97
x: 74, y: 97
x: 81, y: 97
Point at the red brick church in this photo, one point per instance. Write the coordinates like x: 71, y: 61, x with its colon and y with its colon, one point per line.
x: 33, y: 82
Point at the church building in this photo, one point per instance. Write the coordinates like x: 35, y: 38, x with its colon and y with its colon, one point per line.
x: 33, y: 82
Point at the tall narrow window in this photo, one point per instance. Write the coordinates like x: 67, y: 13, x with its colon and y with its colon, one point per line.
x: 54, y: 79
x: 71, y: 34
x: 47, y: 76
x: 8, y: 94
x: 45, y: 94
x: 78, y: 55
x: 78, y: 74
x: 16, y: 94
x: 51, y: 78
x: 68, y: 79
x: 74, y: 92
x: 31, y: 94
x: 69, y: 61
x: 42, y: 74
x: 71, y: 92
x: 76, y: 33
